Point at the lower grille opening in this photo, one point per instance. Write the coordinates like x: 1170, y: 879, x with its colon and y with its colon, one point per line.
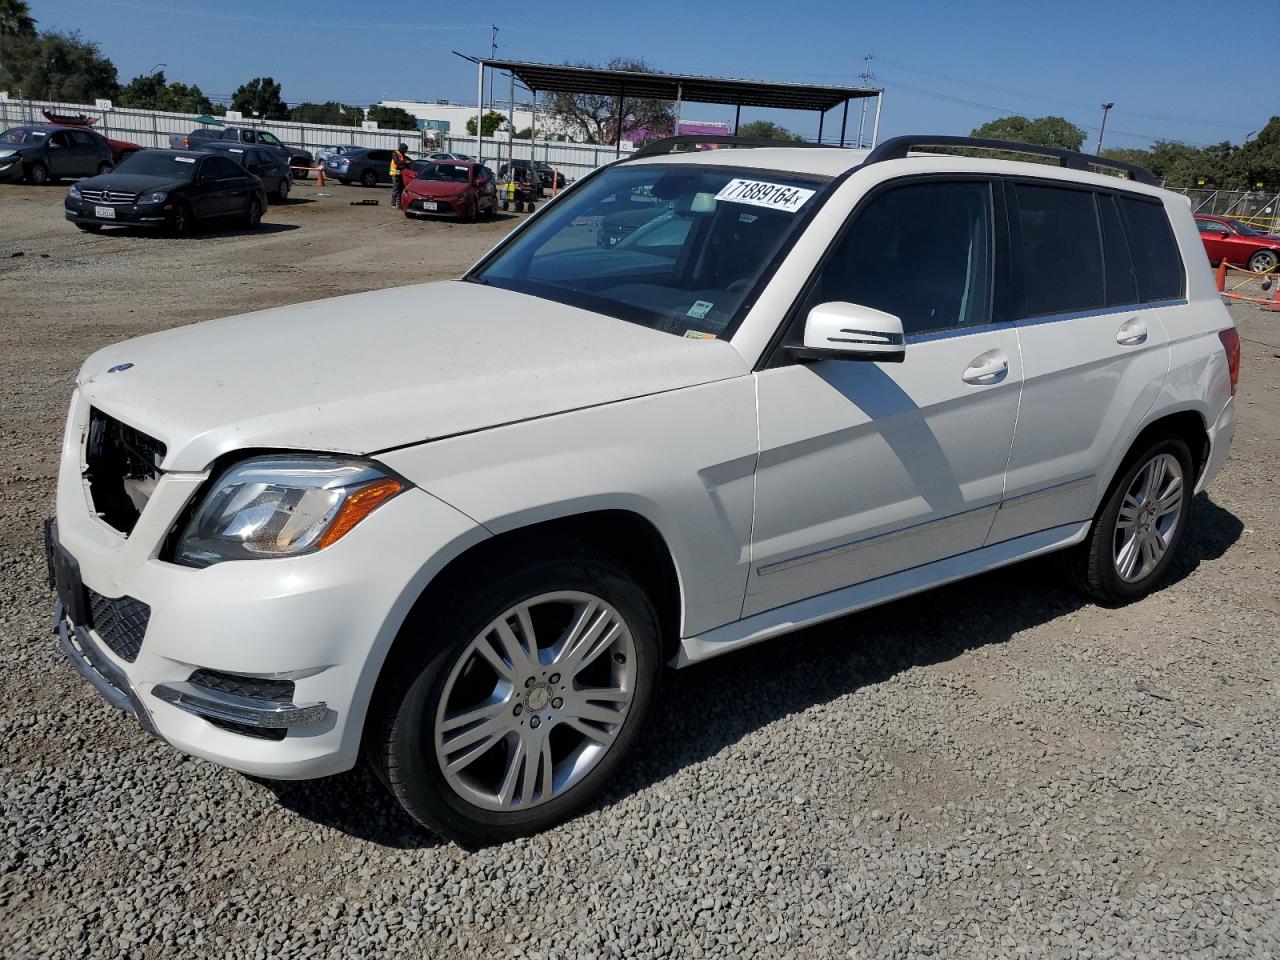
x: 123, y: 465
x: 259, y: 688
x: 121, y: 622
x: 258, y: 733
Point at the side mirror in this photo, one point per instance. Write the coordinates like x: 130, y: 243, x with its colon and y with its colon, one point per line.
x: 850, y: 331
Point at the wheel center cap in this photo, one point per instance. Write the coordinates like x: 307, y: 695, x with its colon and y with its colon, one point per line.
x: 538, y: 697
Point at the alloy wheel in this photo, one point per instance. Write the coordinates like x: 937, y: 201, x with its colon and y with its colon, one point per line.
x: 1148, y: 518
x: 1263, y: 261
x: 535, y: 701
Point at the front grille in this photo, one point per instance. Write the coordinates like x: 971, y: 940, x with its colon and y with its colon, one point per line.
x: 258, y: 688
x: 120, y: 622
x: 123, y: 467
x: 108, y: 196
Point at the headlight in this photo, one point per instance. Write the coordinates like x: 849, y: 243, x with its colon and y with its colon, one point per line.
x: 153, y: 198
x: 283, y: 506
x: 8, y: 156
x: 73, y: 193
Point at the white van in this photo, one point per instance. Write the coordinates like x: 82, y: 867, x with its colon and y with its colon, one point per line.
x: 700, y: 400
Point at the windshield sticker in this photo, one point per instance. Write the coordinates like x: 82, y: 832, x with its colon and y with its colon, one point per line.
x: 185, y: 159
x: 698, y: 335
x: 758, y: 193
x: 747, y: 218
x: 700, y: 309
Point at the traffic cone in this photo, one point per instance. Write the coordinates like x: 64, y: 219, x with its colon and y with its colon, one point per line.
x: 1221, y: 276
x: 320, y: 176
x: 1273, y: 305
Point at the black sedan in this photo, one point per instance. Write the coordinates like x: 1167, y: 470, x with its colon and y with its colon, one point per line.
x: 262, y: 163
x: 170, y: 190
x: 43, y: 152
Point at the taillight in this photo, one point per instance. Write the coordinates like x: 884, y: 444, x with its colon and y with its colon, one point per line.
x: 186, y: 143
x: 1230, y: 338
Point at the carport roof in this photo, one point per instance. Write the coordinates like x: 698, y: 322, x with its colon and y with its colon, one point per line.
x: 672, y: 86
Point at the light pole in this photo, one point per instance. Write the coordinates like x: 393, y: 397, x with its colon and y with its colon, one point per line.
x: 155, y: 93
x: 1106, y: 108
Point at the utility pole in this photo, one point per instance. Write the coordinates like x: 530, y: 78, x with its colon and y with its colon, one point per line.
x: 866, y: 78
x: 1106, y: 108
x: 493, y: 53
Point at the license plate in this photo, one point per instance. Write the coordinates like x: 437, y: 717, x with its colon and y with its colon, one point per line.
x: 428, y: 204
x: 104, y: 213
x: 64, y: 572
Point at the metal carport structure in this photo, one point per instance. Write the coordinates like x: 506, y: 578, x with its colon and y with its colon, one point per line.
x: 680, y: 88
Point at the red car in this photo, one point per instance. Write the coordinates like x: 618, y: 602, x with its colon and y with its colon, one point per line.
x: 449, y: 188
x: 1238, y: 243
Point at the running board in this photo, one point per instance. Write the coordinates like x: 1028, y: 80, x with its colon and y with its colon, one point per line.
x: 837, y: 603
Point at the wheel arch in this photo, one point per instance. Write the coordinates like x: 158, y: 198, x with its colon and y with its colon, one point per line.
x: 630, y: 538
x: 1187, y: 423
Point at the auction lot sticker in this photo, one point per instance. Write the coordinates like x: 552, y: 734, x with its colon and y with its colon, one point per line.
x: 760, y: 193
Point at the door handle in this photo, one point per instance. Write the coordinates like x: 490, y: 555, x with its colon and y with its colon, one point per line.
x: 1132, y: 332
x: 987, y: 368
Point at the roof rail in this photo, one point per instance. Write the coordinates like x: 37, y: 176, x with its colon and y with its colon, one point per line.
x: 898, y: 147
x: 668, y: 144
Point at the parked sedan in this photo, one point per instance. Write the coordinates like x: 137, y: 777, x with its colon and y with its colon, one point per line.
x: 551, y: 177
x: 1238, y: 243
x: 45, y: 152
x: 368, y: 166
x: 451, y: 188
x: 267, y: 166
x: 334, y: 150
x: 170, y: 190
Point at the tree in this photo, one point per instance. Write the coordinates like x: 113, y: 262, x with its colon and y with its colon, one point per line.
x: 16, y: 20
x: 152, y: 92
x: 490, y: 123
x: 594, y: 117
x: 765, y: 130
x: 260, y: 97
x: 1042, y: 131
x: 331, y: 112
x: 57, y: 66
x: 393, y: 118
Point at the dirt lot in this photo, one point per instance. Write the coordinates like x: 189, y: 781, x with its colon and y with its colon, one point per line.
x: 993, y: 769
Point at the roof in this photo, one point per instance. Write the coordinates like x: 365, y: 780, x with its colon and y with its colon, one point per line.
x: 551, y: 78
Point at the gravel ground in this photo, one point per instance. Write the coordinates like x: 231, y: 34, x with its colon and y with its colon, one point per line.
x: 992, y: 769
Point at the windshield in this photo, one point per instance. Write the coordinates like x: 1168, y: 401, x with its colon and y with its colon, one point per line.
x: 443, y: 171
x: 152, y: 163
x: 677, y: 248
x: 23, y: 135
x: 1244, y: 229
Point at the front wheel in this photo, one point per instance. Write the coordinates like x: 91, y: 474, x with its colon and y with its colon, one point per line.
x: 181, y: 221
x: 253, y: 213
x: 1138, y: 529
x: 38, y: 174
x: 282, y: 192
x: 517, y: 704
x: 1264, y: 261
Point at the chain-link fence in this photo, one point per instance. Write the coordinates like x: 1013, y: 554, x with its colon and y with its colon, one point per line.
x: 1258, y: 209
x: 153, y: 128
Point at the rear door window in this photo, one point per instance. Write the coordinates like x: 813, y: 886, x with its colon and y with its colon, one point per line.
x: 1061, y: 250
x: 1122, y: 284
x: 1156, y: 259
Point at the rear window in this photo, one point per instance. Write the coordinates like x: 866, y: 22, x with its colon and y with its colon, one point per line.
x: 1061, y: 250
x: 1156, y: 260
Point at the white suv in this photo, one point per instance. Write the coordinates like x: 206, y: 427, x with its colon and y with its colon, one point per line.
x: 701, y: 400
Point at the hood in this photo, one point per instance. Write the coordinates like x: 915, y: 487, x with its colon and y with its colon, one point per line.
x: 363, y: 373
x: 131, y: 183
x: 435, y: 188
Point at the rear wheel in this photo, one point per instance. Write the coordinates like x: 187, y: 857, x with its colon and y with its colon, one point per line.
x: 369, y: 179
x: 519, y: 700
x: 1263, y: 261
x: 1138, y: 529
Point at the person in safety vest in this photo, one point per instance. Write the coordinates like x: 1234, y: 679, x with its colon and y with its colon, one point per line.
x: 399, y: 160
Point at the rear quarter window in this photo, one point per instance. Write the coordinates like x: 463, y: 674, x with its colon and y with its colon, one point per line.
x: 1157, y: 262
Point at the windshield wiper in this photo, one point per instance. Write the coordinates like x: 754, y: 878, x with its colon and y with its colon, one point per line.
x: 480, y: 280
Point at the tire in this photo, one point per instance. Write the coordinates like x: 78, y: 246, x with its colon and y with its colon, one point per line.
x: 181, y: 221
x: 447, y: 673
x: 282, y: 192
x: 301, y: 174
x: 474, y: 215
x: 1099, y: 567
x: 369, y: 179
x: 253, y: 213
x: 1264, y: 260
x: 38, y: 174
x: 90, y: 227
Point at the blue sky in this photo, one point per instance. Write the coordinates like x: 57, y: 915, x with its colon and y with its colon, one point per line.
x: 946, y: 66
